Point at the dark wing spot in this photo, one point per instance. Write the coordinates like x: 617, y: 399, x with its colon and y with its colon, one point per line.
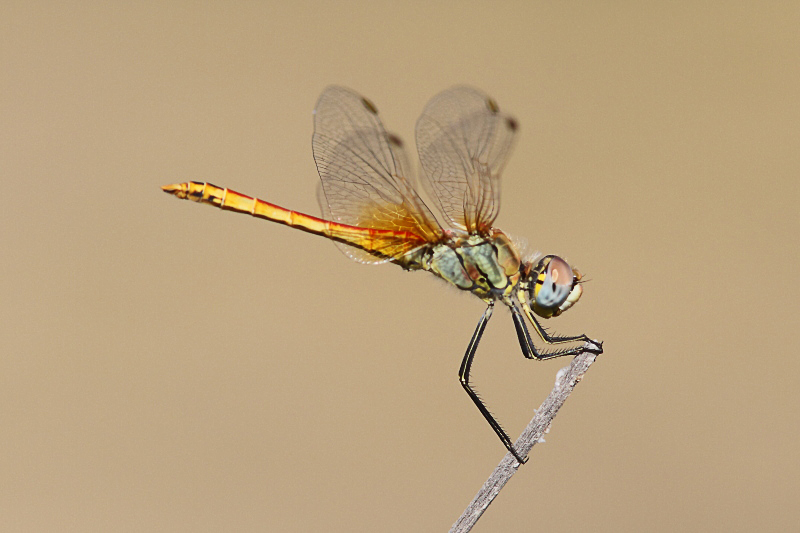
x: 512, y: 123
x: 394, y: 140
x: 369, y: 105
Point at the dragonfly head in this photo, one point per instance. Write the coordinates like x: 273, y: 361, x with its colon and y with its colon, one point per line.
x: 553, y: 286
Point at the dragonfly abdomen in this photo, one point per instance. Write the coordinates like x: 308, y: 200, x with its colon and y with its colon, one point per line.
x: 381, y: 243
x: 224, y: 198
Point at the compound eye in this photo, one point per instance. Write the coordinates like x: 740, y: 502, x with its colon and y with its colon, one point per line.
x: 560, y: 272
x: 554, y: 285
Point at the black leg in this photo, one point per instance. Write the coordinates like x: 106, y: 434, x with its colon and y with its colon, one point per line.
x: 530, y: 351
x: 463, y: 375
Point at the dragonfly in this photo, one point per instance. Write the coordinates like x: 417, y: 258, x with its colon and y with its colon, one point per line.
x: 373, y: 210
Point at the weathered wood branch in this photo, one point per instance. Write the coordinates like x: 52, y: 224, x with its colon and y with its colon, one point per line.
x: 566, y: 379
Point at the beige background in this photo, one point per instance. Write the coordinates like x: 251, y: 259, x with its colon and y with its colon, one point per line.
x: 169, y: 367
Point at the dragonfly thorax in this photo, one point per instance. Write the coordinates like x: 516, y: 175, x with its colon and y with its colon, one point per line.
x: 486, y: 265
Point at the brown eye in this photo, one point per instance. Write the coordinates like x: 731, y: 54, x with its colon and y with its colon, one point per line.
x: 560, y: 272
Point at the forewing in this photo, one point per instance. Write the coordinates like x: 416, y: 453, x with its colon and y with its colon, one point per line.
x: 363, y: 172
x: 464, y: 142
x: 386, y: 246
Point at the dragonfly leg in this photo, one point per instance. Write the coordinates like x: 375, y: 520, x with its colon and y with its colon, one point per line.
x: 529, y: 349
x: 463, y: 375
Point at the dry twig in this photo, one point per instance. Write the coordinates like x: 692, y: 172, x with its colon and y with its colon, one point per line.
x: 566, y: 379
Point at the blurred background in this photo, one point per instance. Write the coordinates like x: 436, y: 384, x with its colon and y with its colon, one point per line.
x: 166, y: 366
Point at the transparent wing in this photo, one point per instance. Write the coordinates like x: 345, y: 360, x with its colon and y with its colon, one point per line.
x: 386, y: 246
x: 464, y: 142
x: 364, y: 172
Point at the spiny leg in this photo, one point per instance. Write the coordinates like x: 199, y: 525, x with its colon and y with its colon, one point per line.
x: 554, y: 339
x: 529, y: 349
x: 463, y: 375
